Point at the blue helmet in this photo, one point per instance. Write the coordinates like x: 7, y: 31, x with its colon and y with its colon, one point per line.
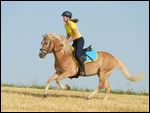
x: 67, y: 13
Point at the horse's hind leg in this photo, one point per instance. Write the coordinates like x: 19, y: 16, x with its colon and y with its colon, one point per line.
x: 100, y: 86
x: 107, y: 86
x: 102, y: 83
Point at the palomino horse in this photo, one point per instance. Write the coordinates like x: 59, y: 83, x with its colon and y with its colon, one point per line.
x: 66, y: 67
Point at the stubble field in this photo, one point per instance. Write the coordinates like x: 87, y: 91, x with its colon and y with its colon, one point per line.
x: 32, y: 99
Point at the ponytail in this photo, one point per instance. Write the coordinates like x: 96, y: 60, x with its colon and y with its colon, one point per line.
x: 74, y: 20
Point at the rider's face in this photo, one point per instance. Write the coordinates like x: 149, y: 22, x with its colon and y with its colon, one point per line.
x: 65, y: 18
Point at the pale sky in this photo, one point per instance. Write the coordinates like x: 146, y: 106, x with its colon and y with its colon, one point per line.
x: 120, y: 28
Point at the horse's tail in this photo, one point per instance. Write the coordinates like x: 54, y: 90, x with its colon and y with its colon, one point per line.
x: 126, y: 73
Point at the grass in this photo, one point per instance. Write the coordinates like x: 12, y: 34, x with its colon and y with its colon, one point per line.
x: 129, y: 92
x: 27, y: 99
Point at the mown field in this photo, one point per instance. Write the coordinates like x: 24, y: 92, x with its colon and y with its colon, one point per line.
x: 32, y: 99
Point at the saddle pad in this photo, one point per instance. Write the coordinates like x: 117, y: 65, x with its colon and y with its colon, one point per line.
x: 92, y: 54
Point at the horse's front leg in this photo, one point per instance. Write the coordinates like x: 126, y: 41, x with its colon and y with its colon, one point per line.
x: 64, y: 75
x: 54, y: 77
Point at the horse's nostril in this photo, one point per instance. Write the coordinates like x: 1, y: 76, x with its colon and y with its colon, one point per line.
x: 40, y: 55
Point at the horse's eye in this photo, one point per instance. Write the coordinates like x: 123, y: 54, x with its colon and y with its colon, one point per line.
x: 45, y: 43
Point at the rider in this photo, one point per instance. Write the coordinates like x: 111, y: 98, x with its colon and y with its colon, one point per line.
x: 74, y: 35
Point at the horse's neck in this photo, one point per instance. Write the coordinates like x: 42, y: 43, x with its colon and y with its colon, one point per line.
x: 59, y: 56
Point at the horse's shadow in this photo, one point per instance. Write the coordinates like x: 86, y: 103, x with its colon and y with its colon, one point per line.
x: 42, y: 95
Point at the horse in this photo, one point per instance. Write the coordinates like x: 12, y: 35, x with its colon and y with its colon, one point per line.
x: 66, y: 66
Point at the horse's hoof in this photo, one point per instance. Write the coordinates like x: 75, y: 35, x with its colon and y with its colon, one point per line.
x: 67, y: 86
x: 45, y: 95
x: 87, y: 98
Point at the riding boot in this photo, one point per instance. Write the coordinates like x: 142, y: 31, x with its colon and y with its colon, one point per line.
x: 82, y: 68
x: 79, y: 72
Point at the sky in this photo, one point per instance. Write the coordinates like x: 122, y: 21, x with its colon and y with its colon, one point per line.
x: 120, y: 28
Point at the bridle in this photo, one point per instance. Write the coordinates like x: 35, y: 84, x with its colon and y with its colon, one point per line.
x: 44, y: 51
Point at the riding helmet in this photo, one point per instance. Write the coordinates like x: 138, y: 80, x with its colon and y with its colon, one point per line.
x: 67, y: 13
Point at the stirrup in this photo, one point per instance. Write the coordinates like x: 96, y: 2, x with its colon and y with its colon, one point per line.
x: 89, y: 48
x: 82, y: 73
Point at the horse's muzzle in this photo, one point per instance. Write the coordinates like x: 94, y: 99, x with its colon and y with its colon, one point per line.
x: 42, y: 54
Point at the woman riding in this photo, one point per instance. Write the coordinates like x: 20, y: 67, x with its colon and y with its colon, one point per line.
x: 74, y: 35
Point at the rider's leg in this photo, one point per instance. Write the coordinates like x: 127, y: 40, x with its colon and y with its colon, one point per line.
x: 79, y: 43
x: 82, y: 67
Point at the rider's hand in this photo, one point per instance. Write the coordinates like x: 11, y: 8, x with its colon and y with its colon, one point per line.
x: 69, y: 40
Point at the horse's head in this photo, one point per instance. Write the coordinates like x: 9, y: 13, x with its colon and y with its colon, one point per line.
x: 50, y: 43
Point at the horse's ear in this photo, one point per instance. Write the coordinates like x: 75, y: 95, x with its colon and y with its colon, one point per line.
x: 43, y: 36
x: 53, y: 36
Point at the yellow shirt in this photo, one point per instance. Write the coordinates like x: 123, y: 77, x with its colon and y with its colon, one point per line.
x: 69, y: 29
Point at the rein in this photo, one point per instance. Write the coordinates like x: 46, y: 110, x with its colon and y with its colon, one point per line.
x: 59, y: 49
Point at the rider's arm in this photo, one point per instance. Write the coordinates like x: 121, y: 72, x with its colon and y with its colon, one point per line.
x: 75, y: 34
x: 68, y: 36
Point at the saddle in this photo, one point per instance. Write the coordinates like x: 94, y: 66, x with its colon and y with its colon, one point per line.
x: 88, y: 55
x: 84, y: 55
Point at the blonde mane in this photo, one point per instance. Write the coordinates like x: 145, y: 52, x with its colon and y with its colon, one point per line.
x: 66, y: 47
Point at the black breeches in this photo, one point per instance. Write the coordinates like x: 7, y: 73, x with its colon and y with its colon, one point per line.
x: 78, y: 45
